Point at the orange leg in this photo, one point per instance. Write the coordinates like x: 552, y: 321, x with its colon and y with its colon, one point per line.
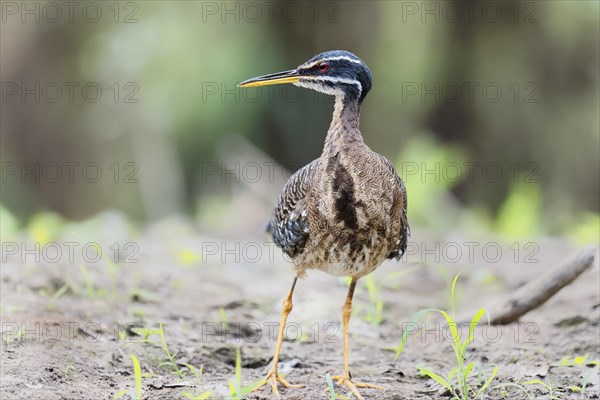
x: 273, y: 376
x: 345, y: 378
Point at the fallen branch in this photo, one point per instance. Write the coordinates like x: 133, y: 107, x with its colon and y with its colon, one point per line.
x: 536, y: 292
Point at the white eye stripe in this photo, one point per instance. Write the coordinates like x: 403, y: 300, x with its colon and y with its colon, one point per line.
x: 354, y: 60
x: 336, y: 80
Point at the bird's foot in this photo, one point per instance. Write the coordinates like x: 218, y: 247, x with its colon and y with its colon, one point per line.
x: 273, y: 378
x: 346, y: 380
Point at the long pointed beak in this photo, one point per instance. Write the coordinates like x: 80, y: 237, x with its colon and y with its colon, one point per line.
x: 278, y: 78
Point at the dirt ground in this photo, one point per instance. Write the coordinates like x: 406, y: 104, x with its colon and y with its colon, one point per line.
x: 69, y: 326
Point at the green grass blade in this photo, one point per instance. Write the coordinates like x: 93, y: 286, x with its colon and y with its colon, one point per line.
x: 63, y: 289
x: 137, y: 372
x: 457, y: 344
x: 249, y: 389
x: 436, y: 378
x: 453, y: 328
x: 330, y: 386
x: 468, y: 369
x: 163, y: 341
x: 487, y: 382
x: 520, y: 388
x: 238, y: 365
x: 452, y: 300
x: 537, y: 382
x: 416, y: 318
x: 472, y: 326
x: 232, y: 390
x: 119, y: 394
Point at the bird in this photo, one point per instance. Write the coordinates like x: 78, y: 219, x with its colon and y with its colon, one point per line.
x: 345, y: 212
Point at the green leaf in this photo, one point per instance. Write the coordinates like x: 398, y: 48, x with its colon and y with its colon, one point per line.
x: 452, y: 293
x: 468, y: 369
x: 232, y: 390
x: 488, y: 381
x: 453, y: 372
x: 436, y: 378
x: 330, y: 386
x: 238, y: 365
x: 137, y: 372
x: 119, y: 394
x: 536, y: 382
x: 580, y: 359
x: 566, y: 361
x: 457, y: 345
x: 472, y: 326
x: 416, y: 318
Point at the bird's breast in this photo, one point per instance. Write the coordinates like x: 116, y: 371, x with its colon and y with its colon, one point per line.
x: 352, y: 229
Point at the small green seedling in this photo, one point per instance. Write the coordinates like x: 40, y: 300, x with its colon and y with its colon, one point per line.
x: 146, y: 333
x: 549, y: 388
x: 457, y: 382
x: 502, y: 389
x: 332, y: 394
x: 201, y: 396
x: 197, y: 372
x: 236, y: 390
x: 170, y: 356
x: 576, y: 361
x: 581, y: 389
x: 331, y: 390
x: 569, y: 361
x: 137, y: 373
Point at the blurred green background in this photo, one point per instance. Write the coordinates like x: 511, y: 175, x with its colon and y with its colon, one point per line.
x: 468, y: 88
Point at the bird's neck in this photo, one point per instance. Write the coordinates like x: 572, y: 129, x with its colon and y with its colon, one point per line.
x: 343, y: 132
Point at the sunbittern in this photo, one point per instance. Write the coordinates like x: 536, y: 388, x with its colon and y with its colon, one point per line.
x: 345, y: 212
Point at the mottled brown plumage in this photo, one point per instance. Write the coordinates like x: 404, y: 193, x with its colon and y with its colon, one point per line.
x: 345, y: 212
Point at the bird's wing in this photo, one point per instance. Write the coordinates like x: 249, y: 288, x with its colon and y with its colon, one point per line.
x: 289, y: 223
x: 398, y: 252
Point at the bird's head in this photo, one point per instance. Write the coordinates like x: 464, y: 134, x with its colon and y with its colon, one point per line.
x: 338, y: 72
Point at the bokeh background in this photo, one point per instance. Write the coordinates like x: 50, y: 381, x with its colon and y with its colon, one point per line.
x: 136, y: 181
x: 489, y: 110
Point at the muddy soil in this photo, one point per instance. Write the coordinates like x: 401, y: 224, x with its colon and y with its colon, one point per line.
x: 69, y: 325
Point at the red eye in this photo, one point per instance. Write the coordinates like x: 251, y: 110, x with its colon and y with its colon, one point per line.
x: 323, y: 67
